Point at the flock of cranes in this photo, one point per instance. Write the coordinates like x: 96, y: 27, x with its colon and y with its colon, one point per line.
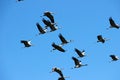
x: 50, y: 23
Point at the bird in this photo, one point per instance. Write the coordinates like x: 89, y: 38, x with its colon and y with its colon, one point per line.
x: 63, y: 40
x: 19, y: 0
x: 100, y: 39
x: 26, y: 43
x: 78, y: 63
x: 113, y: 24
x: 50, y: 25
x: 55, y: 69
x: 61, y: 78
x: 80, y: 53
x: 41, y: 30
x: 49, y: 15
x: 114, y: 57
x: 58, y: 47
x: 46, y: 22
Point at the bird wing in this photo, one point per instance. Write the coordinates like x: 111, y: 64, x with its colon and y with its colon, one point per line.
x: 40, y: 28
x: 78, y: 52
x: 62, y: 38
x: 100, y: 37
x: 76, y: 61
x: 112, y: 23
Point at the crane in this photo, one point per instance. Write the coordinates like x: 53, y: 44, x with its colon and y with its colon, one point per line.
x: 49, y: 15
x: 58, y: 47
x: 50, y: 25
x: 61, y: 78
x: 100, y: 39
x: 41, y: 30
x: 114, y: 57
x: 80, y: 53
x: 55, y: 69
x: 26, y: 43
x: 78, y: 63
x: 113, y: 24
x: 63, y: 40
x: 19, y: 0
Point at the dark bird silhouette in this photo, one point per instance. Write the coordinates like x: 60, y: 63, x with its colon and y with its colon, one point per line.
x: 50, y: 25
x: 80, y: 53
x: 19, y: 0
x: 78, y: 63
x: 113, y: 24
x: 114, y: 58
x: 63, y: 40
x: 26, y: 43
x: 61, y: 78
x: 46, y: 22
x: 100, y: 39
x: 41, y: 30
x: 58, y: 47
x: 55, y: 69
x: 49, y: 15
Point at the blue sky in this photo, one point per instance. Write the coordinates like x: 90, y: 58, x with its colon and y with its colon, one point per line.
x: 81, y: 21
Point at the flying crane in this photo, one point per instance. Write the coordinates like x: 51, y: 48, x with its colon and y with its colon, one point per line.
x: 113, y: 24
x: 41, y: 30
x: 49, y: 15
x: 55, y: 69
x: 63, y: 40
x: 100, y: 39
x: 26, y: 43
x: 114, y: 57
x: 50, y: 25
x: 58, y: 47
x: 78, y: 63
x: 19, y: 0
x: 80, y: 53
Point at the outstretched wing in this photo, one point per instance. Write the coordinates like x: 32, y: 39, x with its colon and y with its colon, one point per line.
x: 76, y: 61
x: 62, y: 38
x: 41, y: 30
x: 112, y: 23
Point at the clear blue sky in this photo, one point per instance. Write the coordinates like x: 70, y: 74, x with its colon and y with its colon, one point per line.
x: 81, y: 21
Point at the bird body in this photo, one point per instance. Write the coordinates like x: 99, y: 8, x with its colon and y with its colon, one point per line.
x: 55, y: 69
x: 61, y: 78
x: 114, y: 58
x: 41, y: 30
x: 58, y: 47
x: 113, y: 24
x: 78, y: 63
x: 80, y: 53
x: 100, y: 39
x: 20, y: 0
x: 49, y: 24
x: 26, y: 43
x: 49, y: 15
x: 63, y: 40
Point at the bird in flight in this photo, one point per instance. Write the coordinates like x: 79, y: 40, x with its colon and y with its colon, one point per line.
x: 26, y: 43
x: 113, y: 24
